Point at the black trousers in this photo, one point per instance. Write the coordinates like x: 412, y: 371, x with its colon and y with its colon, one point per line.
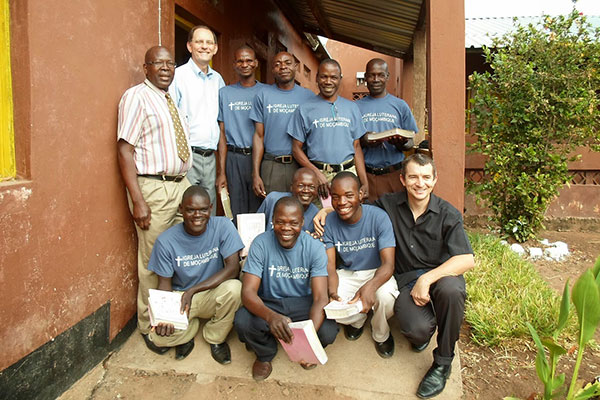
x: 445, y: 311
x: 254, y: 331
x: 239, y: 181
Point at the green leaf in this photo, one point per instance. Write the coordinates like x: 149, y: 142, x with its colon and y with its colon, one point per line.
x: 590, y: 390
x: 558, y: 382
x: 564, y: 309
x: 541, y: 364
x: 586, y: 298
x: 596, y: 269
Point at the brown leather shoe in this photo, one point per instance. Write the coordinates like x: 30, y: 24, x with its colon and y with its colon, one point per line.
x: 261, y: 370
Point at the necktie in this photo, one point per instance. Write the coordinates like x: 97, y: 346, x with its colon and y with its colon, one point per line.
x: 180, y: 139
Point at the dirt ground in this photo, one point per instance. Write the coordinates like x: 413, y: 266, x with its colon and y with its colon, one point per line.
x: 496, y: 373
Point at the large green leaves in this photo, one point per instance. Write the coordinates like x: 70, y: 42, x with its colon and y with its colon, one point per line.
x: 586, y: 298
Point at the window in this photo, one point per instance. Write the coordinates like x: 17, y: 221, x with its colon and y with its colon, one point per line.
x: 306, y: 72
x: 7, y: 135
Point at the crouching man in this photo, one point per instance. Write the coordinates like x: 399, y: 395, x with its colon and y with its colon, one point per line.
x: 285, y: 280
x: 199, y: 257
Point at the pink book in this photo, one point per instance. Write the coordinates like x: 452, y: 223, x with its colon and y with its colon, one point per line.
x: 306, y: 346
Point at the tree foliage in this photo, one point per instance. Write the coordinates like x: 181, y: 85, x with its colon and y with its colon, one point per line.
x: 540, y: 102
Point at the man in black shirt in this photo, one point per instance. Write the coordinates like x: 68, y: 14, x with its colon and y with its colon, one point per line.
x: 432, y: 253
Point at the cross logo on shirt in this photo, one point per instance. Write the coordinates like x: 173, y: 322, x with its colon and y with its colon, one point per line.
x: 178, y: 259
x: 231, y: 105
x: 338, y: 246
x: 316, y: 123
x: 269, y: 107
x: 272, y: 269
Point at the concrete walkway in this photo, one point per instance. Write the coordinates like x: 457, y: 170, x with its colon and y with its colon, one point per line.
x: 354, y: 369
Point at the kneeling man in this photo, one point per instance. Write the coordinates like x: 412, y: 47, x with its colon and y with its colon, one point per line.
x: 432, y: 254
x: 285, y: 280
x: 200, y: 258
x: 362, y: 237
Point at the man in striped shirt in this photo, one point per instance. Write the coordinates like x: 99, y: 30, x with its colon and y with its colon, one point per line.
x: 154, y: 157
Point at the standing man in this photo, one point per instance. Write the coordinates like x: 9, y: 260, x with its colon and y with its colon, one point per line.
x: 272, y: 163
x: 195, y: 90
x: 200, y: 258
x: 237, y: 130
x: 361, y: 237
x: 285, y: 280
x: 432, y: 254
x: 154, y: 157
x: 331, y: 127
x: 380, y: 112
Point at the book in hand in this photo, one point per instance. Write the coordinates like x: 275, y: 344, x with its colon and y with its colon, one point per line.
x: 374, y: 136
x: 250, y: 226
x: 342, y: 309
x: 164, y: 307
x: 306, y: 346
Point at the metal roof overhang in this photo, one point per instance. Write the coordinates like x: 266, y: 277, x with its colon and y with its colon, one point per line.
x: 384, y: 26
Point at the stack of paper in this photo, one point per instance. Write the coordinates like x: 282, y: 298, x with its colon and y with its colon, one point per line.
x: 164, y: 307
x: 306, y: 346
x: 250, y: 226
x: 342, y: 309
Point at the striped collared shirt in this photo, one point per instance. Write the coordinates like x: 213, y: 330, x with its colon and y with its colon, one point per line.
x: 145, y: 122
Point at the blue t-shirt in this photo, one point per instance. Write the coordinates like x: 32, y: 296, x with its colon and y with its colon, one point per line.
x: 285, y: 272
x: 379, y: 115
x: 359, y: 244
x: 327, y: 129
x: 235, y: 103
x: 189, y: 259
x: 268, y: 205
x: 273, y: 107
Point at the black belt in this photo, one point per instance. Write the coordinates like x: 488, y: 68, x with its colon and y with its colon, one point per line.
x: 202, y: 152
x: 334, y: 167
x: 240, y: 150
x: 287, y: 159
x: 384, y: 170
x: 170, y: 178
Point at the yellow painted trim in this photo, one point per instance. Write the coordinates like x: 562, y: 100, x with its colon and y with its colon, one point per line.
x: 184, y: 23
x: 7, y: 136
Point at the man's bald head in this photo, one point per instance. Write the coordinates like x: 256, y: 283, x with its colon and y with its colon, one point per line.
x: 195, y: 190
x: 159, y: 67
x: 377, y: 76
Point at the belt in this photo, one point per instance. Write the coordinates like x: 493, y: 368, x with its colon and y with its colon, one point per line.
x: 240, y: 150
x: 202, y: 152
x: 170, y: 178
x: 334, y: 167
x: 384, y: 170
x: 287, y: 159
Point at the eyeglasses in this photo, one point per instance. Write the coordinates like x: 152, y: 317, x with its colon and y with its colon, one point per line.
x: 203, y: 42
x: 159, y: 64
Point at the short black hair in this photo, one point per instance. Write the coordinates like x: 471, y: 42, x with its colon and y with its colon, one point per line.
x: 344, y: 175
x: 331, y: 61
x: 195, y: 190
x: 420, y: 159
x: 288, y: 201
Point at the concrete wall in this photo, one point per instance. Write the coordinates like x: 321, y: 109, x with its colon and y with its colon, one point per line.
x: 67, y: 243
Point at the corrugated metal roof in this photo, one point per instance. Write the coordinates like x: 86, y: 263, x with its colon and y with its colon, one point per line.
x: 385, y: 26
x: 479, y: 32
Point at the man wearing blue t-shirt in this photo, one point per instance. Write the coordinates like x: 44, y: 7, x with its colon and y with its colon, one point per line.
x: 237, y: 129
x: 272, y: 163
x: 285, y: 280
x: 362, y: 237
x: 304, y: 188
x: 200, y: 258
x: 330, y: 127
x: 380, y: 112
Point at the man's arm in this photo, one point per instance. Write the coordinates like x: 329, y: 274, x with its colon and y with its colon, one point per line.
x: 278, y: 323
x: 303, y: 160
x: 359, y: 161
x: 318, y: 285
x: 221, y: 181
x: 332, y: 276
x: 141, y: 211
x: 454, y: 266
x: 367, y: 292
x: 258, y: 150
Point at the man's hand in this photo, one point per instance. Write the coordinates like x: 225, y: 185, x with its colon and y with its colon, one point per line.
x: 334, y: 297
x: 278, y: 324
x: 186, y: 301
x: 258, y: 186
x: 364, y: 188
x: 163, y: 329
x: 220, y: 182
x: 420, y: 292
x: 369, y: 143
x: 319, y: 222
x: 323, y: 187
x: 142, y: 215
x: 366, y: 294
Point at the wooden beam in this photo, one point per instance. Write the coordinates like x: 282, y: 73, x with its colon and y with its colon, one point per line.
x: 317, y: 12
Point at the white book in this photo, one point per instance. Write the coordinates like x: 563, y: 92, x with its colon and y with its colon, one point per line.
x: 306, y: 346
x: 342, y: 309
x: 164, y: 307
x: 389, y: 133
x: 250, y: 226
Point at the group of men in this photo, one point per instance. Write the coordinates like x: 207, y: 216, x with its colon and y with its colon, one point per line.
x: 183, y: 135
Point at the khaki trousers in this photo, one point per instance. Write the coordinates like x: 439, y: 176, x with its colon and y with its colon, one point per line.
x: 218, y: 305
x: 381, y: 184
x: 385, y: 297
x: 163, y: 198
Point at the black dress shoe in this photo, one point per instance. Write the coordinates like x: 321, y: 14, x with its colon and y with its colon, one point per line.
x: 434, y: 381
x: 385, y: 349
x: 153, y: 347
x: 352, y: 333
x: 184, y: 350
x: 418, y: 349
x: 221, y: 353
